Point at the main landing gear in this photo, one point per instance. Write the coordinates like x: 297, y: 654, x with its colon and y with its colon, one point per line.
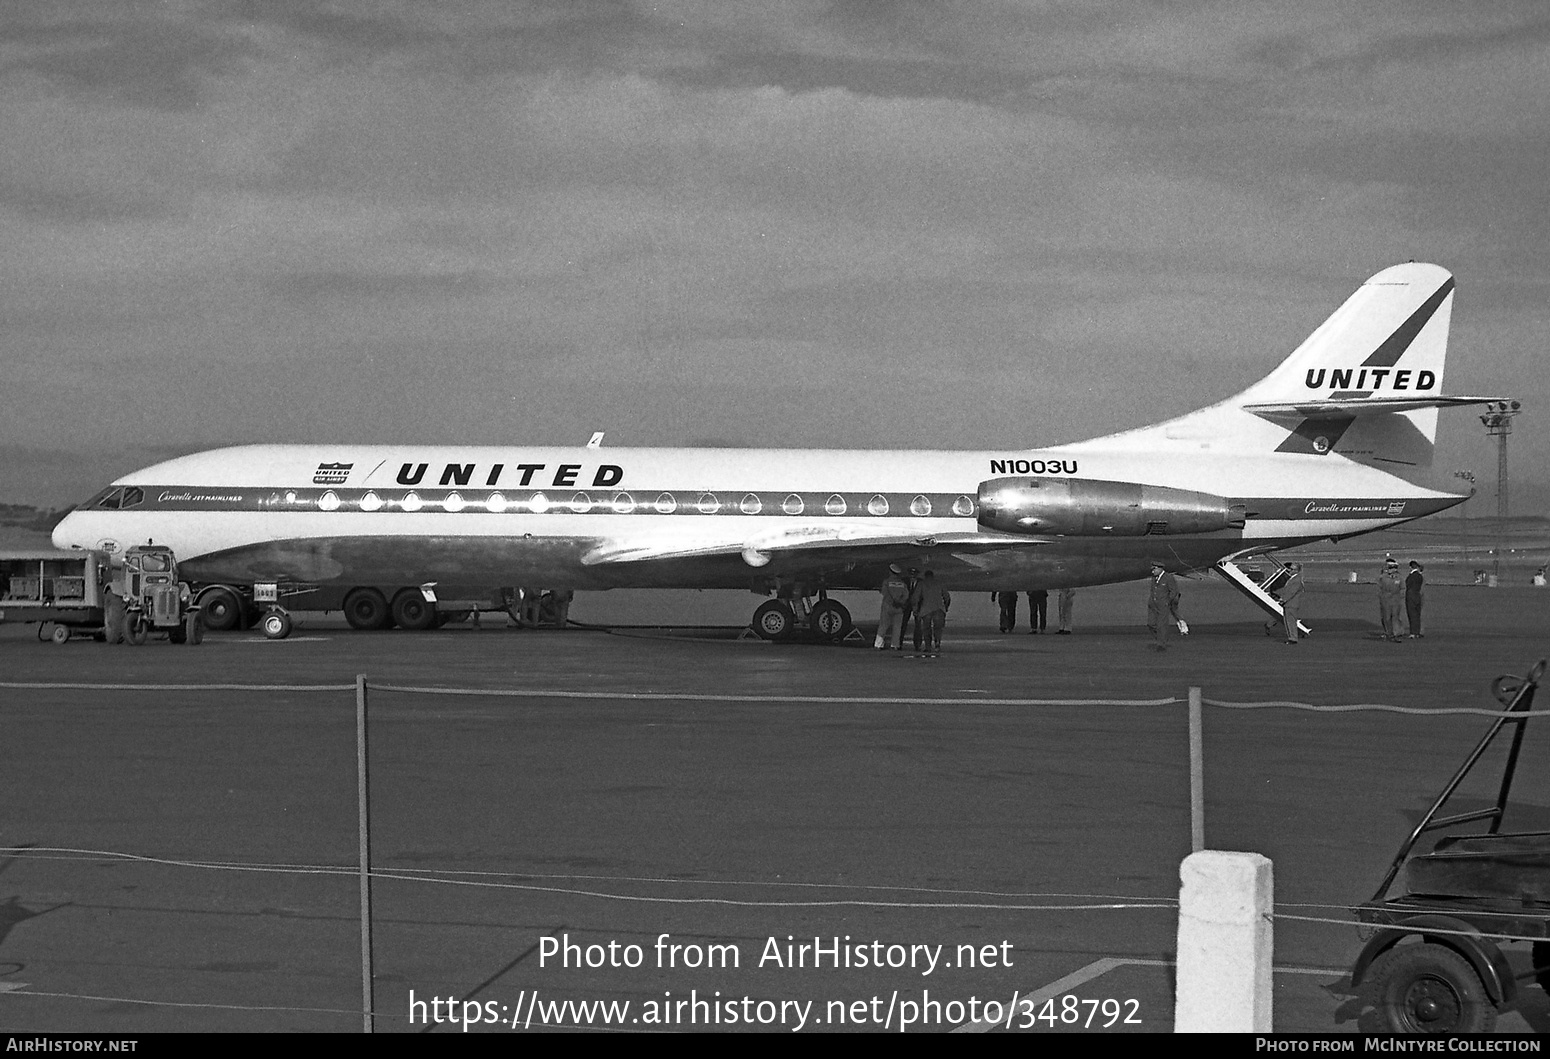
x: 791, y: 615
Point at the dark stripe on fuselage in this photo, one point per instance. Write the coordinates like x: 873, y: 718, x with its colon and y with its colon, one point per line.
x: 549, y: 501
x: 790, y: 504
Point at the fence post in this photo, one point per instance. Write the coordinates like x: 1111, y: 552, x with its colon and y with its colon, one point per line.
x: 1225, y: 943
x: 1197, y: 776
x: 363, y: 800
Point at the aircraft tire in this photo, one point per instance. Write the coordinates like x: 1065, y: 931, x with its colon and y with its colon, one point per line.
x: 276, y: 624
x: 222, y: 609
x: 412, y: 611
x: 775, y: 620
x: 365, y: 608
x: 830, y: 621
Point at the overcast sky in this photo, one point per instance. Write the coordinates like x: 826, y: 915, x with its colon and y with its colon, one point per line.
x: 871, y: 224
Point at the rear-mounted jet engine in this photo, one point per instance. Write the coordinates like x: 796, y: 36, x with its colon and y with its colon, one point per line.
x: 1077, y: 507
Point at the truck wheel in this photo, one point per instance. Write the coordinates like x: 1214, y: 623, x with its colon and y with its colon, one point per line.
x: 1429, y: 988
x: 222, y: 609
x: 277, y: 624
x: 61, y: 634
x: 365, y: 608
x: 136, y: 629
x: 411, y: 611
x: 1542, y: 964
x: 194, y: 629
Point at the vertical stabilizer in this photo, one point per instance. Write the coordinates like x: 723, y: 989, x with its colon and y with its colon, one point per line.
x: 1365, y: 385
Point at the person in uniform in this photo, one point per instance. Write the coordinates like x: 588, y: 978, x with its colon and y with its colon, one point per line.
x: 112, y: 615
x: 562, y: 602
x: 1390, y: 591
x: 1291, y: 601
x: 1038, y: 611
x: 930, y: 603
x: 1415, y: 582
x: 1065, y: 602
x: 1162, y: 606
x: 1008, y: 601
x: 890, y: 619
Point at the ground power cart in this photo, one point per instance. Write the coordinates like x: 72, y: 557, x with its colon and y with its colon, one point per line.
x: 63, y: 592
x: 1434, y: 962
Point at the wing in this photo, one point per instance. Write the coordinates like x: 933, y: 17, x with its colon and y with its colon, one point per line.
x: 812, y: 549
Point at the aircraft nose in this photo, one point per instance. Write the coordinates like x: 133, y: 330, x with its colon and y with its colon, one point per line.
x: 68, y: 534
x: 63, y: 532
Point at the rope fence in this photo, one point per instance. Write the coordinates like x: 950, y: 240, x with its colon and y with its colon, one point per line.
x: 611, y: 888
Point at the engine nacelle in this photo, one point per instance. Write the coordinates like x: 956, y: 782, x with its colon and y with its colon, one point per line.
x: 1078, y: 507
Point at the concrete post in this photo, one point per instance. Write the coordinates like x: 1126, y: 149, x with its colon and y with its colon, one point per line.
x: 1224, y: 945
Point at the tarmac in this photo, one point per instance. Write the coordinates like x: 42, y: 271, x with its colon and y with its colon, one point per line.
x: 732, y: 795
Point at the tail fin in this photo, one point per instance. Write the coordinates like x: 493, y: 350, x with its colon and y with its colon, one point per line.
x: 1363, y: 384
x: 1366, y: 385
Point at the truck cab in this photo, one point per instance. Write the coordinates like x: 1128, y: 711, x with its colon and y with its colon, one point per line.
x: 154, y: 598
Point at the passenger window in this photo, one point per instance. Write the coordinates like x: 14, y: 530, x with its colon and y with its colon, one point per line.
x: 920, y: 506
x: 835, y: 505
x: 751, y: 505
x: 666, y: 505
x: 792, y: 505
x: 581, y: 503
x: 708, y: 504
x: 624, y: 503
x: 963, y: 506
x: 878, y: 505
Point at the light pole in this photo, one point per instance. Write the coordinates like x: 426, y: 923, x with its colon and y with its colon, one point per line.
x: 1498, y: 424
x: 1467, y: 476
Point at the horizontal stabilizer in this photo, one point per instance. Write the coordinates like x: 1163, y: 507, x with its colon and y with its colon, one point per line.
x: 1348, y: 407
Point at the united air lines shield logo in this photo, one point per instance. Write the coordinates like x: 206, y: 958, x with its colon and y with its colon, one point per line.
x: 1396, y: 507
x: 332, y: 473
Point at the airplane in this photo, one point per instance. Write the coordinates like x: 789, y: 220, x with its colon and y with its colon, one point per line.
x: 1321, y: 448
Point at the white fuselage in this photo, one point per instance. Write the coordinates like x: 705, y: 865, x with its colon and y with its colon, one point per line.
x: 598, y: 518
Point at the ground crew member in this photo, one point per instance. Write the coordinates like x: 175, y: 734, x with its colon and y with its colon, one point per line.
x: 532, y: 604
x: 909, y: 583
x: 1291, y: 601
x: 890, y: 619
x: 1414, y: 584
x: 930, y: 604
x: 112, y: 615
x: 1390, y: 592
x: 562, y: 601
x: 1038, y: 611
x: 1162, y: 606
x: 1008, y: 601
x: 1065, y: 602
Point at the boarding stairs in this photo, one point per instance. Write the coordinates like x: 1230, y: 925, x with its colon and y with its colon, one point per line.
x: 1262, y: 591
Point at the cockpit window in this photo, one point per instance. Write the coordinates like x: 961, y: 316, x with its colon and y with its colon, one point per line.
x: 113, y: 500
x: 133, y: 495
